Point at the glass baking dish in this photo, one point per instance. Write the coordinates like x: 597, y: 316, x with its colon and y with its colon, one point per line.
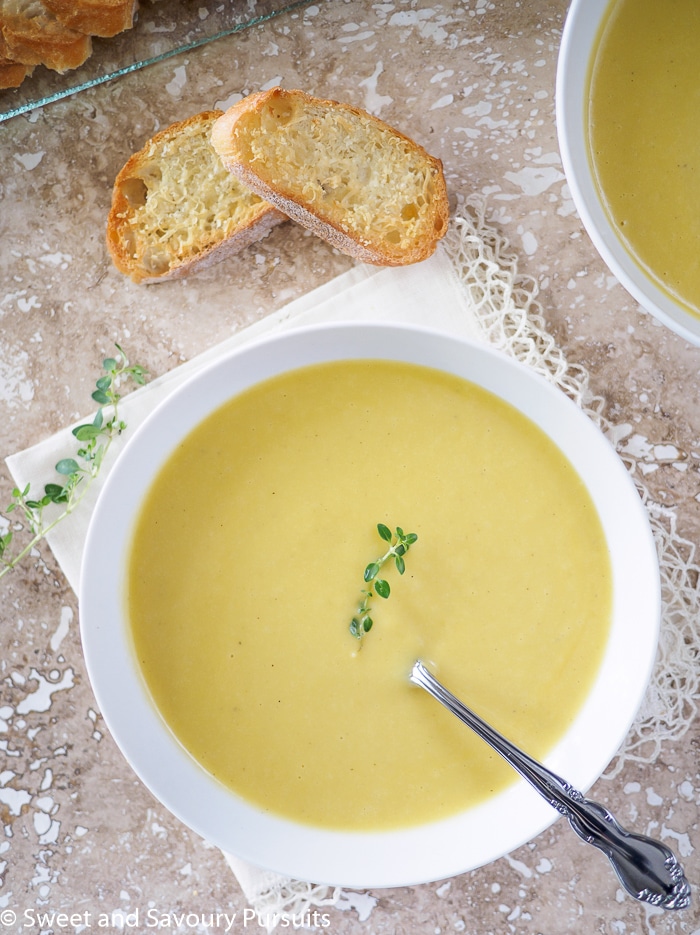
x: 162, y: 29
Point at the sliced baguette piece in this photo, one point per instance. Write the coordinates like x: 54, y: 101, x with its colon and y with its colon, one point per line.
x: 103, y: 18
x: 176, y: 209
x: 33, y: 36
x: 367, y: 189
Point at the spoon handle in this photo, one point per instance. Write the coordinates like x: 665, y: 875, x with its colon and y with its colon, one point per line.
x: 647, y: 869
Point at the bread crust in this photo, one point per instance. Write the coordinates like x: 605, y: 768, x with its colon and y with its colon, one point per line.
x: 207, y: 250
x: 12, y: 74
x: 228, y: 138
x: 104, y: 18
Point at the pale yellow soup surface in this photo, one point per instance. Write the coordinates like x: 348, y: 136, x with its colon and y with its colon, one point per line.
x: 644, y: 135
x: 247, y: 567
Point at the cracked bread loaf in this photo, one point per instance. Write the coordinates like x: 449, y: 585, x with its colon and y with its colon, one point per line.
x: 31, y: 35
x: 55, y: 33
x: 104, y: 18
x: 175, y: 208
x: 370, y: 191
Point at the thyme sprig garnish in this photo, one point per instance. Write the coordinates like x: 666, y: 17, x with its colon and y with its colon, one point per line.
x: 77, y: 472
x: 399, y: 544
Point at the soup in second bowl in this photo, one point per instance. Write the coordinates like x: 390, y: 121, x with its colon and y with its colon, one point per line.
x: 246, y: 569
x: 644, y: 137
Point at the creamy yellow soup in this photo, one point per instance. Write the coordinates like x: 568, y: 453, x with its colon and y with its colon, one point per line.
x: 644, y: 137
x: 247, y: 566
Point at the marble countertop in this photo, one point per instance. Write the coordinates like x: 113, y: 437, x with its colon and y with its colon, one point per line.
x: 473, y: 81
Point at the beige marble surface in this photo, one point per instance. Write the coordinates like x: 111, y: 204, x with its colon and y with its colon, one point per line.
x: 473, y: 81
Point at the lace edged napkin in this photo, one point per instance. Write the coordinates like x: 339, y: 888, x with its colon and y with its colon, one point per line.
x: 471, y: 288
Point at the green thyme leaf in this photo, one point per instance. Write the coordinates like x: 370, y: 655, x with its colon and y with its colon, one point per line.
x: 382, y: 588
x: 67, y: 466
x: 85, y: 432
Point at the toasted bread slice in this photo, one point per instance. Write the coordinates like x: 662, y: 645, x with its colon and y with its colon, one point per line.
x: 369, y: 190
x: 94, y: 17
x: 32, y: 35
x: 175, y: 208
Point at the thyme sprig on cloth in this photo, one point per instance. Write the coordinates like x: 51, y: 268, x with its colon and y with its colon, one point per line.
x: 78, y: 472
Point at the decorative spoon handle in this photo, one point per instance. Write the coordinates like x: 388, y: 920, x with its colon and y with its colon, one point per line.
x: 647, y: 869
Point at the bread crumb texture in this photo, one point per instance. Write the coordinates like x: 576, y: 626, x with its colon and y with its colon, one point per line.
x: 345, y: 174
x: 174, y: 203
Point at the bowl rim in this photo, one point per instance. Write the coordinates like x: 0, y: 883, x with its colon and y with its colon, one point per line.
x: 582, y: 26
x: 366, y: 859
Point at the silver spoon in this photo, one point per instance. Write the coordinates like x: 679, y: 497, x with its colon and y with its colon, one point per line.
x: 647, y: 869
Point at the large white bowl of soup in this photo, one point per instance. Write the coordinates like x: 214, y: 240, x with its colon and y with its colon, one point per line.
x: 225, y: 563
x: 626, y: 107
